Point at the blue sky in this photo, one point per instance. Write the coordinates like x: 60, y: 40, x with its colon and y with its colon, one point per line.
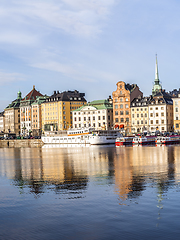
x: 88, y: 45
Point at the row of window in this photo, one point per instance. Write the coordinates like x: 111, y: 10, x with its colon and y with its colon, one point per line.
x: 137, y: 115
x: 122, y: 120
x: 122, y: 113
x: 89, y: 118
x: 121, y: 106
x: 94, y: 125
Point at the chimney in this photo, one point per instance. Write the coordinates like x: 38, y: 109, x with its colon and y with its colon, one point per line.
x: 54, y: 92
x: 33, y: 87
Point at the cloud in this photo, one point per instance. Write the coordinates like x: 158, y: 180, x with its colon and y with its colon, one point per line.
x: 77, y: 72
x: 6, y: 78
x: 77, y: 17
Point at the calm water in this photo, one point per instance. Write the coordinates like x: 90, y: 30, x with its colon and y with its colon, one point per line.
x: 97, y: 192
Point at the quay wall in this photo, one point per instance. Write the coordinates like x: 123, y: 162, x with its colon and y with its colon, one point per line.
x: 21, y: 143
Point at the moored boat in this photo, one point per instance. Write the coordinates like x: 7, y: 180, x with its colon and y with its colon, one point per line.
x: 144, y: 140
x: 123, y: 141
x: 81, y: 136
x: 173, y: 139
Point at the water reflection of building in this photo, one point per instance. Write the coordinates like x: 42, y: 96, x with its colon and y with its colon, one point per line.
x: 60, y: 169
x: 134, y: 166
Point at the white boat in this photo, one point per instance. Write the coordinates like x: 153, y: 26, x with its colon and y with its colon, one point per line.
x: 123, y: 141
x: 81, y: 136
x: 144, y: 140
x: 104, y: 137
x: 173, y: 139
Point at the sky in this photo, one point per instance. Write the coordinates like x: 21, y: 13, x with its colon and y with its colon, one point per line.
x: 87, y: 45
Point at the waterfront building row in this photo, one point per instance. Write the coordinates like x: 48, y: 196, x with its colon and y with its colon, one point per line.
x: 127, y: 110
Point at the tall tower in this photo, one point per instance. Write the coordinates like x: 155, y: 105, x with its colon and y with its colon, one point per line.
x: 157, y: 86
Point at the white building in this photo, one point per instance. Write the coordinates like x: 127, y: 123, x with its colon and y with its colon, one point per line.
x: 97, y: 114
x: 161, y: 113
x: 2, y: 122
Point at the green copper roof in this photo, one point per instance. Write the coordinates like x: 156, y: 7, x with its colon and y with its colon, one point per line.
x: 39, y: 100
x: 98, y: 104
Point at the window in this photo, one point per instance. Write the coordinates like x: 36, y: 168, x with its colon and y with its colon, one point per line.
x: 120, y: 86
x: 176, y: 109
x: 162, y: 121
x: 116, y: 106
x: 145, y: 115
x: 151, y: 114
x: 84, y: 118
x: 120, y: 92
x: 177, y: 125
x: 103, y: 117
x: 126, y: 106
x: 157, y: 121
x: 137, y: 109
x: 138, y: 122
x: 116, y: 113
x: 116, y: 120
x: 121, y: 106
x: 99, y: 117
x: 141, y: 121
x: 162, y: 108
x: 162, y: 114
x: 176, y: 118
x: 151, y: 121
x: 132, y: 115
x: 127, y: 119
x: 122, y: 120
x: 93, y: 118
x: 162, y: 128
x: 79, y: 118
x: 115, y: 99
x: 127, y: 112
x: 137, y: 115
x: 141, y: 115
x: 156, y: 108
x: 121, y: 113
x: 121, y: 100
x: 126, y: 99
x: 156, y: 114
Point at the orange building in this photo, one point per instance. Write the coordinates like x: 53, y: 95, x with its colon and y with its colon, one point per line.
x: 122, y: 99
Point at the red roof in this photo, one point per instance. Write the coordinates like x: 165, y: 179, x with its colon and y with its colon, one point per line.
x: 32, y: 95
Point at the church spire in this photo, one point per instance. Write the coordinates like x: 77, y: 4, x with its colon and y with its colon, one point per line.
x: 156, y: 72
x: 157, y: 86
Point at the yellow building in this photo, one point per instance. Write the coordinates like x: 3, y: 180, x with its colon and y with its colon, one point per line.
x: 176, y: 113
x: 57, y: 110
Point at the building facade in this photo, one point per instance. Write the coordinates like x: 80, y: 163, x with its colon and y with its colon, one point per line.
x: 122, y: 99
x: 36, y: 117
x: 161, y: 113
x: 97, y: 114
x: 2, y: 122
x: 57, y: 110
x: 140, y: 114
x: 176, y: 113
x: 26, y: 111
x: 12, y: 116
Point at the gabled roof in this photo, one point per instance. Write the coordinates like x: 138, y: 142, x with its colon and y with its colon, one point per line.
x: 32, y: 95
